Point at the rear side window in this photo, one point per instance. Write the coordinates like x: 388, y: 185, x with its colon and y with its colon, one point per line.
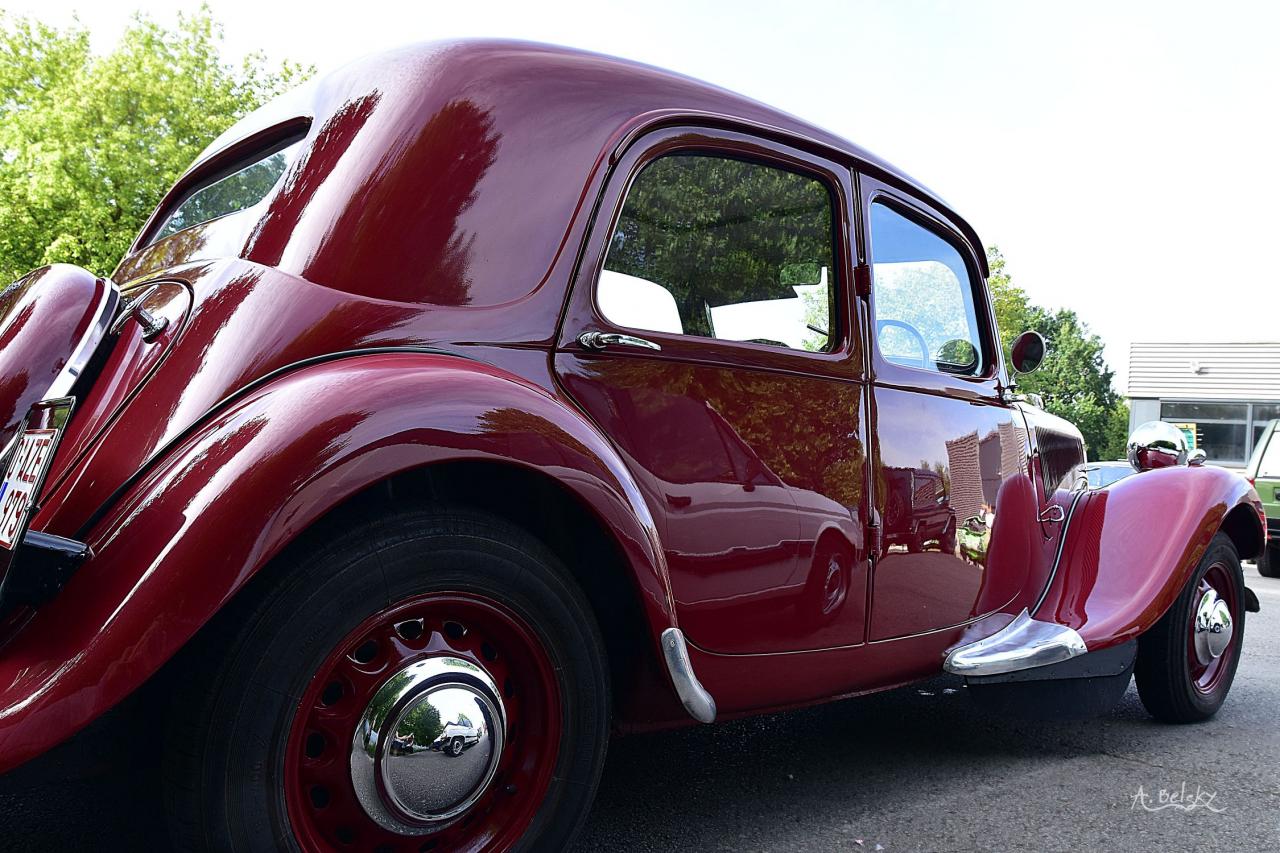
x: 724, y: 248
x: 228, y: 194
x: 924, y: 298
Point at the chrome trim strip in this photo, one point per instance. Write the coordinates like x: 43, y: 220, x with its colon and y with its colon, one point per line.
x: 695, y: 698
x: 88, y: 343
x: 1024, y: 643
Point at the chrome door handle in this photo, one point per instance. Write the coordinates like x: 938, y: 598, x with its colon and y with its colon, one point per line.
x: 600, y: 340
x: 1053, y: 514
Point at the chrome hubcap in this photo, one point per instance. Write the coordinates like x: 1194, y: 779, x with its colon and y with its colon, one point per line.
x: 1213, y: 627
x: 427, y: 746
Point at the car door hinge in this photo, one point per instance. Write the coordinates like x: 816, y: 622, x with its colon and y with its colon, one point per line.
x: 862, y: 280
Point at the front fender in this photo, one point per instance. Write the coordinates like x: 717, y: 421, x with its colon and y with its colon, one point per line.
x: 1129, y: 549
x: 235, y: 491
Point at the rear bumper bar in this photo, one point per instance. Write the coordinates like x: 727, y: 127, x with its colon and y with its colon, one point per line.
x: 1024, y: 643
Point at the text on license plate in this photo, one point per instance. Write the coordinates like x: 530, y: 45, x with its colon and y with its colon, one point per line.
x: 20, y: 482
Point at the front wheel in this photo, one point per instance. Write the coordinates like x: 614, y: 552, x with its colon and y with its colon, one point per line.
x: 1187, y: 661
x: 297, y: 727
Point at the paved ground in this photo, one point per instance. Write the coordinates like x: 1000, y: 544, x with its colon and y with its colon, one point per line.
x: 916, y: 769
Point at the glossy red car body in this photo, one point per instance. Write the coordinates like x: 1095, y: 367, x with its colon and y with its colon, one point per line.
x: 411, y: 295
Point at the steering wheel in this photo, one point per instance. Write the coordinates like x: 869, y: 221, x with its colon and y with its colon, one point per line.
x: 881, y: 325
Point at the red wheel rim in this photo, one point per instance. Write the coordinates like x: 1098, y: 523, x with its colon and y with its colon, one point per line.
x: 1206, y: 677
x: 324, y: 811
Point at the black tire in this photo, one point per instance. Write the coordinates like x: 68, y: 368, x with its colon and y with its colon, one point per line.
x: 1269, y: 562
x: 225, y: 747
x: 1164, y: 667
x: 455, y: 747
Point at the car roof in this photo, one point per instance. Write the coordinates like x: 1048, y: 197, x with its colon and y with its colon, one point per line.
x: 467, y: 161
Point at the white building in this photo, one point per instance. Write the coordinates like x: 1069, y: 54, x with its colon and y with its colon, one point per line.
x: 1222, y: 394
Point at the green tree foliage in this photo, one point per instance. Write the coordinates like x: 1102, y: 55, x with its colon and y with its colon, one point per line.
x: 423, y: 722
x: 1074, y: 379
x: 89, y: 144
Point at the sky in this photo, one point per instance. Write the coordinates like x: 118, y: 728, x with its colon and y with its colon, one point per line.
x: 1123, y: 156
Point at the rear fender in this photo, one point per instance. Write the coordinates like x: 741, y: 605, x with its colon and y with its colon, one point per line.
x: 1130, y: 548
x: 236, y: 490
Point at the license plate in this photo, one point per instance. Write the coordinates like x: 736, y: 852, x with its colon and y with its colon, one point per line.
x: 27, y: 463
x: 27, y: 467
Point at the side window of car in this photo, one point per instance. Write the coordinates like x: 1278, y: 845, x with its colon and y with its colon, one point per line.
x: 923, y: 297
x: 724, y: 248
x: 229, y: 194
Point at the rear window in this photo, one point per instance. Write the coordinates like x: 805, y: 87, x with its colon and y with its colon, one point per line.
x: 229, y: 193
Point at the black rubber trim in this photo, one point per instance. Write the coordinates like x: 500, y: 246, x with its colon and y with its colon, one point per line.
x: 239, y: 394
x: 1108, y: 662
x: 1251, y: 603
x: 46, y: 563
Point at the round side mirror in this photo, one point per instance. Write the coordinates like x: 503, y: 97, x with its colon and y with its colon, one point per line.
x: 1027, y: 352
x: 1157, y: 444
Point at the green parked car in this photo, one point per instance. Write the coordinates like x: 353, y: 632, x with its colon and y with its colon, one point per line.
x: 1264, y: 473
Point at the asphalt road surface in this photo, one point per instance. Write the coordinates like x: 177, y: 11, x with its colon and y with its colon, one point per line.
x: 916, y: 769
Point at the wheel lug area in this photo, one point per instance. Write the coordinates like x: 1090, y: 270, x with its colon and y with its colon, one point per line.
x: 407, y: 737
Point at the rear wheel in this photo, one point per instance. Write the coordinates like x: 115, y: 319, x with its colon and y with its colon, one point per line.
x: 1187, y: 661
x: 1269, y: 562
x: 307, y: 726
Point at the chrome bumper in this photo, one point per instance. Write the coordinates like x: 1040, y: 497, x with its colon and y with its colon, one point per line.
x: 695, y: 698
x: 1024, y: 643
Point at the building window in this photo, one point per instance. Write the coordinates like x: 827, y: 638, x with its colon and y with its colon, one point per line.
x: 1226, y: 432
x: 1263, y: 414
x: 1204, y: 411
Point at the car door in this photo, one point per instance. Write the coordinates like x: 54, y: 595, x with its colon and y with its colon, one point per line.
x: 709, y: 335
x: 950, y: 456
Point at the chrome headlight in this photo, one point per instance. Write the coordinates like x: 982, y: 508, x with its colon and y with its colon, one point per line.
x: 1157, y: 444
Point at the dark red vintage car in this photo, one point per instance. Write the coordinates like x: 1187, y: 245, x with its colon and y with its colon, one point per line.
x: 480, y: 400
